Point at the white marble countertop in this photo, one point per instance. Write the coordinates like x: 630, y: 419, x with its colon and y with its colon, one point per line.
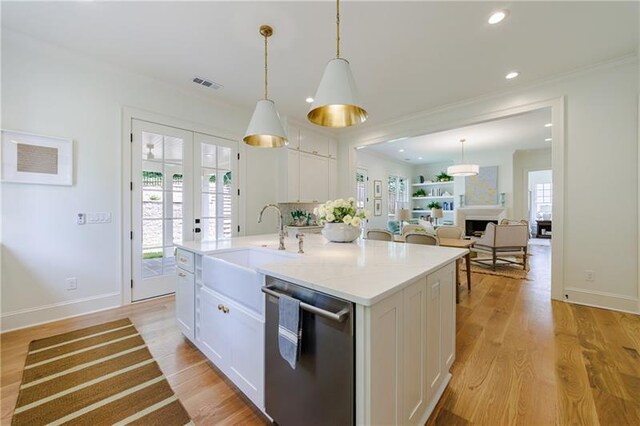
x: 363, y: 272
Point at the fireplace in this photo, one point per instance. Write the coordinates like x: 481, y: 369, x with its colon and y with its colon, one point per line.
x: 476, y: 227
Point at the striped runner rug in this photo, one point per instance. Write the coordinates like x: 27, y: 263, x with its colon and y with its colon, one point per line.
x: 100, y: 375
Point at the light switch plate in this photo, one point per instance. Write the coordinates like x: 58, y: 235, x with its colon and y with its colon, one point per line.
x: 98, y: 217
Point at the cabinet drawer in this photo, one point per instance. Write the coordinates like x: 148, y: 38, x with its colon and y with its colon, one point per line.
x: 185, y: 260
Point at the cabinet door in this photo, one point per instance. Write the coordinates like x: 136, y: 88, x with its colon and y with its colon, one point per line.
x: 293, y: 137
x: 385, y: 368
x: 185, y: 303
x: 314, y: 178
x: 246, y: 366
x: 333, y: 148
x: 333, y: 179
x: 434, y: 366
x: 314, y: 143
x: 293, y: 177
x: 213, y: 326
x: 448, y: 294
x: 414, y: 352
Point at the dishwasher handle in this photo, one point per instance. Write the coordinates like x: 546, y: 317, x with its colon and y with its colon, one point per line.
x: 339, y: 316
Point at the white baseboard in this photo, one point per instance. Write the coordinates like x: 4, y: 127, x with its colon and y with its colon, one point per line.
x: 56, y: 311
x: 601, y: 299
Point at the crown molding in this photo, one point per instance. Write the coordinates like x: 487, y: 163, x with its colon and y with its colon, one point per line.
x: 378, y: 129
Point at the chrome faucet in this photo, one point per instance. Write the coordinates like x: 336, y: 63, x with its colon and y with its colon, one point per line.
x: 282, y: 232
x: 300, y: 237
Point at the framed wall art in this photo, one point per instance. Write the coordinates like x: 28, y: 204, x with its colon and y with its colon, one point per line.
x: 377, y: 189
x: 377, y: 207
x: 29, y: 158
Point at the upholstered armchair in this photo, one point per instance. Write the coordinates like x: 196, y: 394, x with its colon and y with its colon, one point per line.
x: 453, y: 232
x: 503, y: 240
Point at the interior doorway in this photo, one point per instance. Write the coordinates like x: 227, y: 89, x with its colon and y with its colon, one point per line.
x: 540, y: 206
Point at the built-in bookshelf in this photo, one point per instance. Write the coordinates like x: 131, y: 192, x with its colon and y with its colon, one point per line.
x: 442, y: 192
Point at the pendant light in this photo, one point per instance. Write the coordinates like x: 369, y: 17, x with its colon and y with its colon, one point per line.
x: 337, y: 103
x: 463, y: 169
x: 265, y: 128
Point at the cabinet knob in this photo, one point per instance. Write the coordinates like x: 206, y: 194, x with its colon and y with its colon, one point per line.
x: 220, y: 307
x: 182, y: 274
x: 183, y: 260
x: 225, y: 309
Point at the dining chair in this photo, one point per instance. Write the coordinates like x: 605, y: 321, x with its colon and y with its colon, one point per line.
x: 429, y: 240
x: 379, y: 235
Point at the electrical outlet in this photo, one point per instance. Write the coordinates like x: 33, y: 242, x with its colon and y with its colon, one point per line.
x: 72, y: 283
x: 82, y: 218
x: 588, y: 275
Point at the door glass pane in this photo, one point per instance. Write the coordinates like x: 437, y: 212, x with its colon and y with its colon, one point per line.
x: 208, y: 204
x: 173, y: 148
x: 151, y: 262
x: 152, y: 233
x: 208, y: 229
x: 224, y: 158
x: 208, y: 155
x: 209, y: 180
x: 152, y: 146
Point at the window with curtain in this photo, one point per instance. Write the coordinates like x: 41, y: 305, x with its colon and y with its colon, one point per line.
x: 398, y: 193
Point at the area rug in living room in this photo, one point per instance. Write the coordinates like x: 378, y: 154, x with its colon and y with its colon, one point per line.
x: 98, y: 375
x: 502, y: 269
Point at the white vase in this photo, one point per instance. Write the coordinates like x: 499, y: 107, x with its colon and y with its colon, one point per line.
x: 340, y: 232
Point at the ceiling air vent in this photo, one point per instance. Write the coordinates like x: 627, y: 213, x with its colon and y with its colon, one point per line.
x: 207, y: 83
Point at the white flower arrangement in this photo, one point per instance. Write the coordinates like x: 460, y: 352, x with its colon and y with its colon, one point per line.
x: 341, y: 211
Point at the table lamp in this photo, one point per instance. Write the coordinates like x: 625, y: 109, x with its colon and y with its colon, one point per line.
x: 403, y: 215
x: 436, y: 214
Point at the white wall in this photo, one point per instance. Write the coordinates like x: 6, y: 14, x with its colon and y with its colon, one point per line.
x: 525, y: 161
x: 379, y: 168
x: 600, y: 129
x: 51, y: 91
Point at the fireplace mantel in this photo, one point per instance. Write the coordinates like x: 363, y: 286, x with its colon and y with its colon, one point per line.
x: 479, y: 213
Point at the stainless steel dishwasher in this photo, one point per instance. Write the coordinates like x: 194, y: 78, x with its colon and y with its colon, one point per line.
x: 321, y: 389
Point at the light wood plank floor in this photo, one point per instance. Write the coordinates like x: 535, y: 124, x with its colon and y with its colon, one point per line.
x: 521, y: 359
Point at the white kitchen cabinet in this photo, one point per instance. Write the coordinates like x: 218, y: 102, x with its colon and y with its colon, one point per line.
x: 185, y: 303
x: 233, y: 339
x: 293, y: 177
x: 213, y: 326
x: 246, y: 366
x: 409, y: 346
x: 314, y: 143
x: 314, y: 178
x: 333, y: 179
x: 293, y: 137
x: 414, y: 350
x: 333, y: 148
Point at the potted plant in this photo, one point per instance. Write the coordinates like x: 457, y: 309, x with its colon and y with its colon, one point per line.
x: 341, y: 220
x: 299, y: 217
x: 420, y: 193
x: 443, y: 177
x: 436, y: 210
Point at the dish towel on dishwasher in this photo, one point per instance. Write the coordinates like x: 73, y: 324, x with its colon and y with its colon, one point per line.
x: 289, y: 329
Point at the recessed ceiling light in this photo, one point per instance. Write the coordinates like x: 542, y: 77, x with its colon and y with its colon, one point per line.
x: 401, y: 150
x: 548, y: 125
x: 419, y: 158
x: 498, y: 17
x: 512, y: 74
x: 360, y: 147
x: 309, y: 100
x: 547, y: 140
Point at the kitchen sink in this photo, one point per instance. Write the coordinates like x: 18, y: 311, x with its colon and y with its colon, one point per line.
x: 233, y: 274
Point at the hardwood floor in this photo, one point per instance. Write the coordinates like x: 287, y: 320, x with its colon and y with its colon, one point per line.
x: 521, y: 359
x: 524, y: 359
x: 208, y: 397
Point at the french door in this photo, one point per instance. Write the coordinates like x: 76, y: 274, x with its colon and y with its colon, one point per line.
x: 184, y: 187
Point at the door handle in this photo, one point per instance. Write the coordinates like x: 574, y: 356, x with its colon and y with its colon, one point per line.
x: 182, y: 274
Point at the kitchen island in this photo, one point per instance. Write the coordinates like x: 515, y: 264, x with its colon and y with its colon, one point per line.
x: 403, y: 299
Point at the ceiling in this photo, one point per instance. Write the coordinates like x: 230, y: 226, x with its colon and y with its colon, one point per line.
x: 518, y: 132
x: 406, y: 56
